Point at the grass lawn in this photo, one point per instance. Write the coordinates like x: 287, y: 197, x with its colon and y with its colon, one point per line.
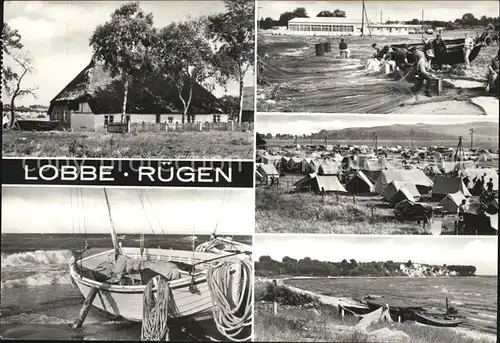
x: 214, y: 144
x: 278, y: 211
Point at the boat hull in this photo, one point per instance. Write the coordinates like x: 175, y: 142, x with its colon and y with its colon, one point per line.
x: 37, y: 125
x: 127, y: 301
x: 441, y: 322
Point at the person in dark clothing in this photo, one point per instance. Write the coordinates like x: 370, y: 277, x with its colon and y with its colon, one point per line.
x: 489, y: 185
x: 344, y: 51
x: 384, y: 54
x: 377, y: 50
x: 402, y: 56
x: 440, y: 51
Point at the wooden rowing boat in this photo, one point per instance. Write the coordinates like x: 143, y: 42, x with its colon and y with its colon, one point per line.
x: 127, y: 301
x: 438, y: 319
x: 37, y: 125
x: 453, y: 56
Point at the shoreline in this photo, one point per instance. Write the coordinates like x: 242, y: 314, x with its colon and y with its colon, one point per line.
x: 335, y: 301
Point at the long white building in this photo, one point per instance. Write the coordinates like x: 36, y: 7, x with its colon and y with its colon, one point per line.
x: 333, y: 26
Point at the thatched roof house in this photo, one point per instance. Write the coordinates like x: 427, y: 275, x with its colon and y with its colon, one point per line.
x: 94, y: 97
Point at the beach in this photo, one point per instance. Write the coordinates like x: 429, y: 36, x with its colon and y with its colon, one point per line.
x: 39, y: 300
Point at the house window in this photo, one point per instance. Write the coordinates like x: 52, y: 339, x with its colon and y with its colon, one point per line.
x: 190, y: 118
x: 170, y: 120
x: 158, y: 118
x: 216, y: 118
x: 65, y: 116
x: 108, y: 119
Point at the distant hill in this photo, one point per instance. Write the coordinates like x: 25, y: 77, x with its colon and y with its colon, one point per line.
x: 483, y: 131
x: 30, y: 108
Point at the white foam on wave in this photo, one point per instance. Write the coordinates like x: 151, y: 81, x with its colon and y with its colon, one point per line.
x: 41, y: 279
x: 37, y: 257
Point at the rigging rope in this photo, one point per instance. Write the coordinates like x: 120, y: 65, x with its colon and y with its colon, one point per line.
x: 140, y: 195
x: 155, y: 311
x: 231, y: 316
x: 151, y: 205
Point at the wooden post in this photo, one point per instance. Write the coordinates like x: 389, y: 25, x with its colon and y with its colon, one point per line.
x: 354, y: 199
x: 337, y: 196
x: 447, y: 308
x: 275, y: 303
x: 371, y: 208
x: 342, y: 313
x: 85, y: 308
x: 399, y: 319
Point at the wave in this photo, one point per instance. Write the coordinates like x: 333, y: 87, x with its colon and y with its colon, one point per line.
x: 485, y: 315
x: 35, y: 318
x: 41, y: 279
x: 38, y: 257
x: 477, y: 320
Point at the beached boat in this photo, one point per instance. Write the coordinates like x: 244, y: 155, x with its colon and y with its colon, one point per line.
x: 401, y: 312
x: 438, y: 319
x: 127, y: 300
x: 37, y: 125
x: 454, y: 54
x: 108, y: 284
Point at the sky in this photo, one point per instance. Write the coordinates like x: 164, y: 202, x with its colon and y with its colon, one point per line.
x: 481, y: 252
x: 308, y: 123
x: 391, y: 10
x: 173, y: 210
x: 57, y: 33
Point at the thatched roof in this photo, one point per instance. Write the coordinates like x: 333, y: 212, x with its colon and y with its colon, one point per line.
x: 153, y: 94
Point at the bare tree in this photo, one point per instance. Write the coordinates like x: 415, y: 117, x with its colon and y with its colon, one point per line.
x: 13, y: 80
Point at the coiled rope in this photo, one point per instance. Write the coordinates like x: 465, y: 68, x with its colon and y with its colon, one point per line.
x: 155, y: 310
x: 231, y: 316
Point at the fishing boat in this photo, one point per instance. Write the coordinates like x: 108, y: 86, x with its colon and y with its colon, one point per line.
x: 223, y: 245
x: 188, y: 274
x: 189, y: 296
x: 407, y: 311
x: 438, y: 319
x: 353, y: 307
x: 37, y: 125
x: 454, y: 54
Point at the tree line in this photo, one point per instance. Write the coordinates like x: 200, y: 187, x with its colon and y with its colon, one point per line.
x: 468, y: 20
x: 306, y: 266
x: 208, y: 50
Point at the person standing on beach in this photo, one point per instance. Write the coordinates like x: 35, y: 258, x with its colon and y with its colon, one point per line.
x: 493, y: 69
x: 440, y: 51
x: 468, y: 45
x: 344, y: 51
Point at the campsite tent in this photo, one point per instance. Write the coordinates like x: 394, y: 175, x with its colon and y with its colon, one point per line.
x: 445, y: 185
x: 295, y: 164
x: 329, y: 167
x: 359, y: 183
x: 416, y: 176
x: 268, y: 171
x: 452, y: 201
x: 392, y: 188
x: 404, y: 193
x: 319, y: 183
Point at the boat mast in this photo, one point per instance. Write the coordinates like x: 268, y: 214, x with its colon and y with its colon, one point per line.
x: 116, y: 246
x: 363, y: 18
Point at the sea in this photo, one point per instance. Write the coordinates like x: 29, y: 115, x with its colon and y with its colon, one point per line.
x: 40, y: 302
x: 473, y: 297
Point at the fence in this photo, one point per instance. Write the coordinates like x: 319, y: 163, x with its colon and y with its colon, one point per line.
x: 190, y: 127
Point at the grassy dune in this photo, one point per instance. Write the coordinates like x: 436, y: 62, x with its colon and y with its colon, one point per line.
x: 314, y: 322
x: 215, y: 144
x: 279, y: 211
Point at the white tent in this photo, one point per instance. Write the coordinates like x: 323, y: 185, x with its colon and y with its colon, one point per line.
x: 452, y: 201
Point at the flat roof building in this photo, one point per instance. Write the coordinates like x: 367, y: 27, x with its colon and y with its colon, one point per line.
x: 334, y: 26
